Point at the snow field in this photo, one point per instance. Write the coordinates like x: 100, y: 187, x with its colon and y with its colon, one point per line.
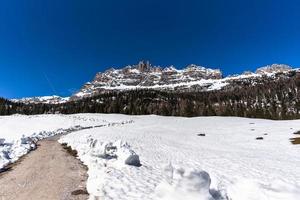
x: 226, y: 163
x: 160, y: 158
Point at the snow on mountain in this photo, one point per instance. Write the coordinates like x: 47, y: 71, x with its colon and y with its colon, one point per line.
x: 274, y: 68
x: 145, y: 76
x: 191, y: 78
x: 45, y: 99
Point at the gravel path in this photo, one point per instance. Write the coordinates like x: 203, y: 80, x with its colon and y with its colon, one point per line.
x: 49, y: 172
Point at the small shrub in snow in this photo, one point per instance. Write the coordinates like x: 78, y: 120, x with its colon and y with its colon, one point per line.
x: 259, y: 138
x: 201, y: 134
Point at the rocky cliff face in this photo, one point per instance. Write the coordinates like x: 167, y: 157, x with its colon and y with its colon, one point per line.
x: 144, y: 75
x: 271, y: 92
x: 275, y: 68
x: 192, y: 78
x: 271, y: 96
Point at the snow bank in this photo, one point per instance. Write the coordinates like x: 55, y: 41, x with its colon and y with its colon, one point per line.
x: 181, y: 184
x: 119, y: 150
x: 102, y: 157
x: 12, y: 151
x: 19, y: 133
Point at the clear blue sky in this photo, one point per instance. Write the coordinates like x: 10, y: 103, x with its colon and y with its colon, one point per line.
x: 54, y: 46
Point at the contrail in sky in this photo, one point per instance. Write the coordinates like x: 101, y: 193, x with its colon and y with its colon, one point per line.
x: 50, y: 84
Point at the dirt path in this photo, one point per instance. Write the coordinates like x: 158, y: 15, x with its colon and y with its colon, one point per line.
x: 49, y: 172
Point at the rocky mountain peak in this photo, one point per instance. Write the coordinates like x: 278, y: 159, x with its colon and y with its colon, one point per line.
x: 144, y: 74
x: 193, y: 67
x: 144, y: 66
x: 274, y: 68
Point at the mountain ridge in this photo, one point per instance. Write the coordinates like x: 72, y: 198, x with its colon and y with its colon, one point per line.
x: 191, y: 78
x: 144, y: 75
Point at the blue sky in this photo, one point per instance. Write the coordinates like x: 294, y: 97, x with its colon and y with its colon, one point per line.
x: 54, y: 46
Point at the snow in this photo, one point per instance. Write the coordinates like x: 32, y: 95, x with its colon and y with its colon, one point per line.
x: 171, y: 69
x: 182, y: 82
x: 228, y: 162
x: 119, y: 150
x: 43, y: 99
x: 216, y: 84
x: 182, y: 185
x: 135, y: 71
x: 171, y: 78
x: 160, y: 158
x: 252, y: 190
x: 274, y: 68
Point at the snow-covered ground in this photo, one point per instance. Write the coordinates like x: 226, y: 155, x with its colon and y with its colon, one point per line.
x: 179, y: 164
x: 19, y: 133
x: 154, y: 157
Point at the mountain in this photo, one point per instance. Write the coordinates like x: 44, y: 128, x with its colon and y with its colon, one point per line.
x: 269, y: 92
x: 144, y: 75
x: 45, y: 99
x: 275, y: 68
x: 193, y: 78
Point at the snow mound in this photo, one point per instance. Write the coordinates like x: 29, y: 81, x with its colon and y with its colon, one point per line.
x: 10, y: 152
x: 119, y: 150
x: 4, y: 157
x: 182, y: 184
x: 105, y: 160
